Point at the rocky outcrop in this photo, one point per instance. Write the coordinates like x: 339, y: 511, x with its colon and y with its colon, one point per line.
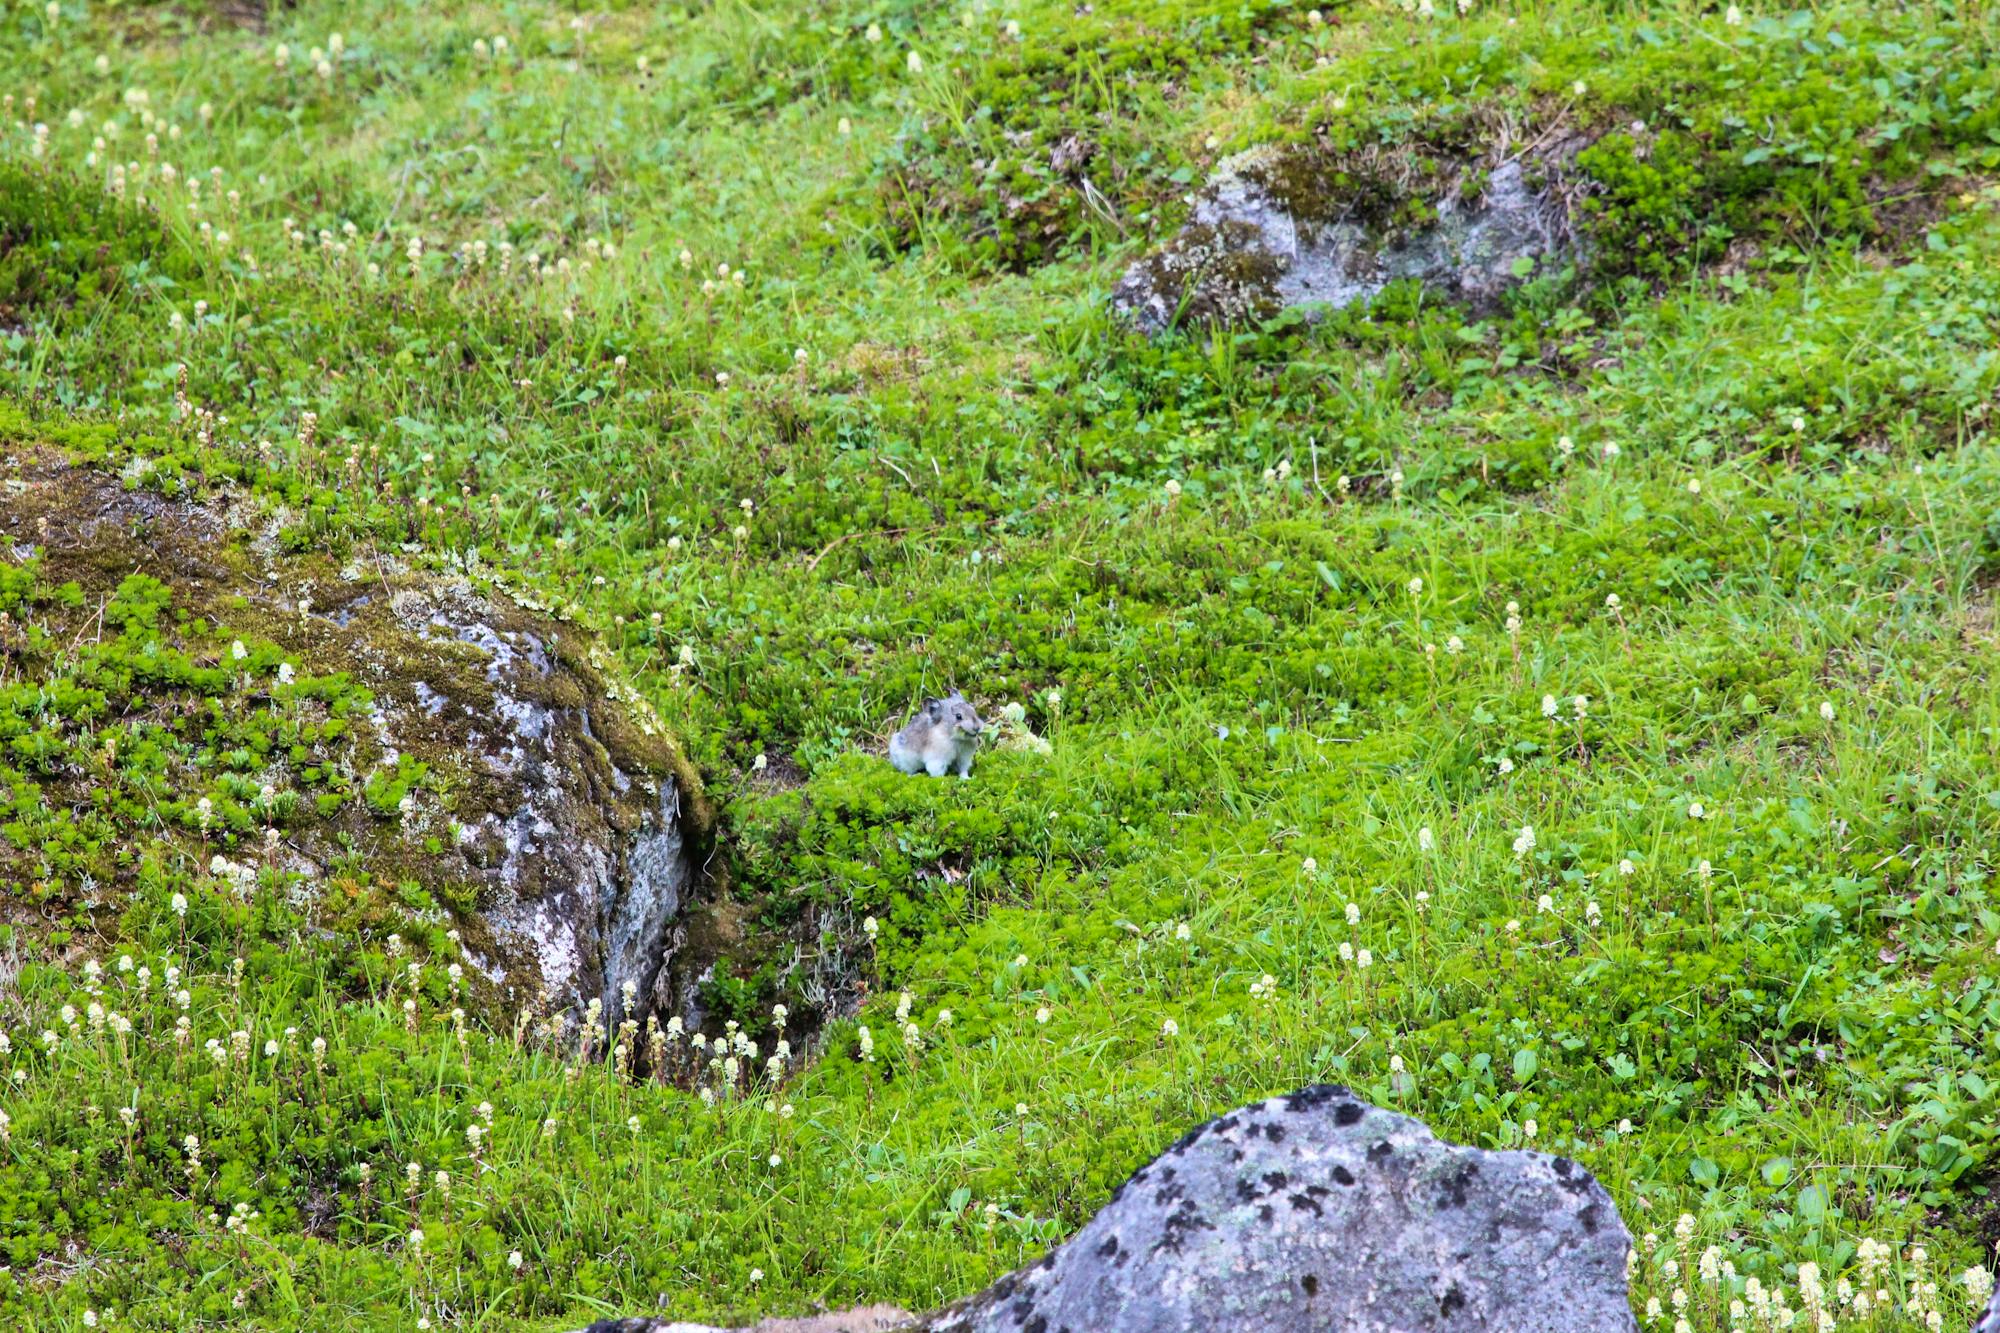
x: 577, y: 839
x: 489, y: 756
x: 1281, y: 226
x: 1317, y: 1211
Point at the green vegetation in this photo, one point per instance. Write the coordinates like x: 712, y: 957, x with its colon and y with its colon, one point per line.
x: 1570, y: 724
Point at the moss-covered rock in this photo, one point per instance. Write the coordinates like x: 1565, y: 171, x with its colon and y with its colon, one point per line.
x: 343, y: 721
x: 1292, y: 225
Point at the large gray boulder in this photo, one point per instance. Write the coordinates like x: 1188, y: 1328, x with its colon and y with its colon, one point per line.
x: 1315, y: 1212
x: 1280, y: 226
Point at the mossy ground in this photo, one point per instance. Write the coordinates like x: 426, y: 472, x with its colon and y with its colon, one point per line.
x: 1744, y: 967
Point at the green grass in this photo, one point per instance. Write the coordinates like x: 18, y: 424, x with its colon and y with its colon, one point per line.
x: 1776, y: 373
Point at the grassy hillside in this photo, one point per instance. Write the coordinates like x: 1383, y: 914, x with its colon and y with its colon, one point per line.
x: 1572, y: 724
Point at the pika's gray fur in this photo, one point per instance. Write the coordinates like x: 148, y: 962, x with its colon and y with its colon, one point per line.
x: 942, y: 738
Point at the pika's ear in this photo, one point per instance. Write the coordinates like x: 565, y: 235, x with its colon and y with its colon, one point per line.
x: 934, y: 709
x: 956, y: 697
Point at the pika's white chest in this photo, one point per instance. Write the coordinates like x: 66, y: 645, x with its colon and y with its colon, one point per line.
x: 935, y: 752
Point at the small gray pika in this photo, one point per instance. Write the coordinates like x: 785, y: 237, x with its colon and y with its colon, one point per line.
x: 941, y: 739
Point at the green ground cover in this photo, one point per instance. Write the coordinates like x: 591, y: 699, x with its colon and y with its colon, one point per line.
x: 1570, y: 723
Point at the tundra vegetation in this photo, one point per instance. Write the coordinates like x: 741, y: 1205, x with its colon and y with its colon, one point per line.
x: 1570, y: 722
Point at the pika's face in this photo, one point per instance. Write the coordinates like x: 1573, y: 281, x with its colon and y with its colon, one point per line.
x: 956, y: 714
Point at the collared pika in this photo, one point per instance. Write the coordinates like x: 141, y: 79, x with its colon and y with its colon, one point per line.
x: 941, y: 739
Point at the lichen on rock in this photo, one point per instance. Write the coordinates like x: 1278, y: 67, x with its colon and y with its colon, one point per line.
x: 1283, y: 226
x: 485, y: 751
x: 1316, y: 1210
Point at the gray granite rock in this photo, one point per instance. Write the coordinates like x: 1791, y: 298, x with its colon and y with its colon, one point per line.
x: 1990, y: 1322
x: 1270, y: 230
x: 576, y: 834
x: 1316, y: 1212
